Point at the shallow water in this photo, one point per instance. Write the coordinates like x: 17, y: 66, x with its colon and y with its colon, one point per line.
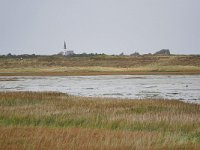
x: 183, y: 87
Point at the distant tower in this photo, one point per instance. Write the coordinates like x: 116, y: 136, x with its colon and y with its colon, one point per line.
x: 65, y: 47
x: 67, y: 52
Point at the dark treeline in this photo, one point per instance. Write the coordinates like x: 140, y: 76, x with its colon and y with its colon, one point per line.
x: 9, y: 55
x: 135, y: 54
x: 34, y: 55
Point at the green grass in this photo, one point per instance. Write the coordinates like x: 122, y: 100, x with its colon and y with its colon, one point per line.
x: 168, y: 121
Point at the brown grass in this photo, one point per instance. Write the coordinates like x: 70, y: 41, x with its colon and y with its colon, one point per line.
x: 32, y: 120
x: 97, y: 65
x: 86, y: 139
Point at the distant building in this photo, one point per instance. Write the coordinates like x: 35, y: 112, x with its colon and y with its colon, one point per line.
x: 65, y: 47
x: 121, y: 54
x: 66, y: 51
x: 163, y: 52
x: 61, y: 53
x: 70, y: 52
x: 135, y: 54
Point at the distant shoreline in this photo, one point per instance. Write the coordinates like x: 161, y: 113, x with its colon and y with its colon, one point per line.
x: 100, y: 65
x: 96, y: 73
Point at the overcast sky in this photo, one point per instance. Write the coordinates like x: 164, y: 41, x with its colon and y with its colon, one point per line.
x: 99, y: 26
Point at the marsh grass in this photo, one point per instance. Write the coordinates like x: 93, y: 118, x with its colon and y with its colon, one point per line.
x: 65, y: 121
x: 94, y: 65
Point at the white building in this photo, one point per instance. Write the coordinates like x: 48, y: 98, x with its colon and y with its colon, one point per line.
x: 67, y: 52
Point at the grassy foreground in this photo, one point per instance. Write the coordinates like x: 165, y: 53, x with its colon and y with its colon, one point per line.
x: 32, y: 120
x: 99, y: 65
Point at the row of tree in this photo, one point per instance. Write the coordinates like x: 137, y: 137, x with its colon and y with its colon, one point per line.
x: 161, y: 52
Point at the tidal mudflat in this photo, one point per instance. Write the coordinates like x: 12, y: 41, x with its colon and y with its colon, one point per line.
x: 181, y: 87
